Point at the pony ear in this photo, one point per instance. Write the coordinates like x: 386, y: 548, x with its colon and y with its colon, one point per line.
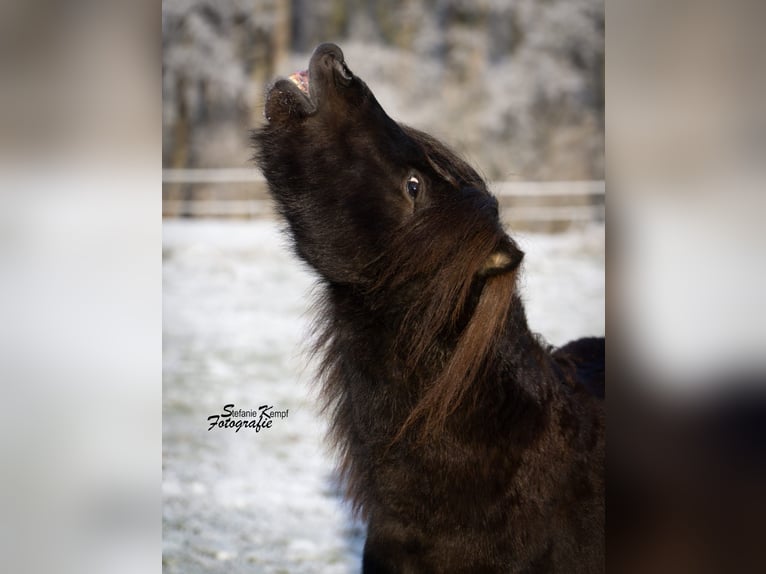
x: 507, y: 257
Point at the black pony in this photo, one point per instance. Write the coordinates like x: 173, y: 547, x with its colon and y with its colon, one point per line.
x: 466, y: 443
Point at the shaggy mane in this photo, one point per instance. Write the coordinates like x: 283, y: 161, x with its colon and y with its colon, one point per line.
x: 442, y: 313
x: 448, y: 305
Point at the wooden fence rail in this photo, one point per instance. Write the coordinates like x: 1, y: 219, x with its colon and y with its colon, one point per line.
x: 242, y: 193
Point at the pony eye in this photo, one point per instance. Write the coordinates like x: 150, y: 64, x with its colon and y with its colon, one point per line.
x: 413, y: 186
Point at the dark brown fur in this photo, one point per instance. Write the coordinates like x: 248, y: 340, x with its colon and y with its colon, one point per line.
x: 464, y: 442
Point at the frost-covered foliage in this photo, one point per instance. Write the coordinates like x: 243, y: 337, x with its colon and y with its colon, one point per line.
x: 213, y: 52
x: 516, y: 85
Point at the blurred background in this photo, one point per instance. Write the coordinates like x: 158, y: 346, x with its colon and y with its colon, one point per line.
x: 515, y: 86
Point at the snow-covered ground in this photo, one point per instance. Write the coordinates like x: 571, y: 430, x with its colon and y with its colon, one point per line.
x: 235, y: 319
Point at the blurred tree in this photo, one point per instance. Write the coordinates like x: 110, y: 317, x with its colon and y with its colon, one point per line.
x: 515, y: 84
